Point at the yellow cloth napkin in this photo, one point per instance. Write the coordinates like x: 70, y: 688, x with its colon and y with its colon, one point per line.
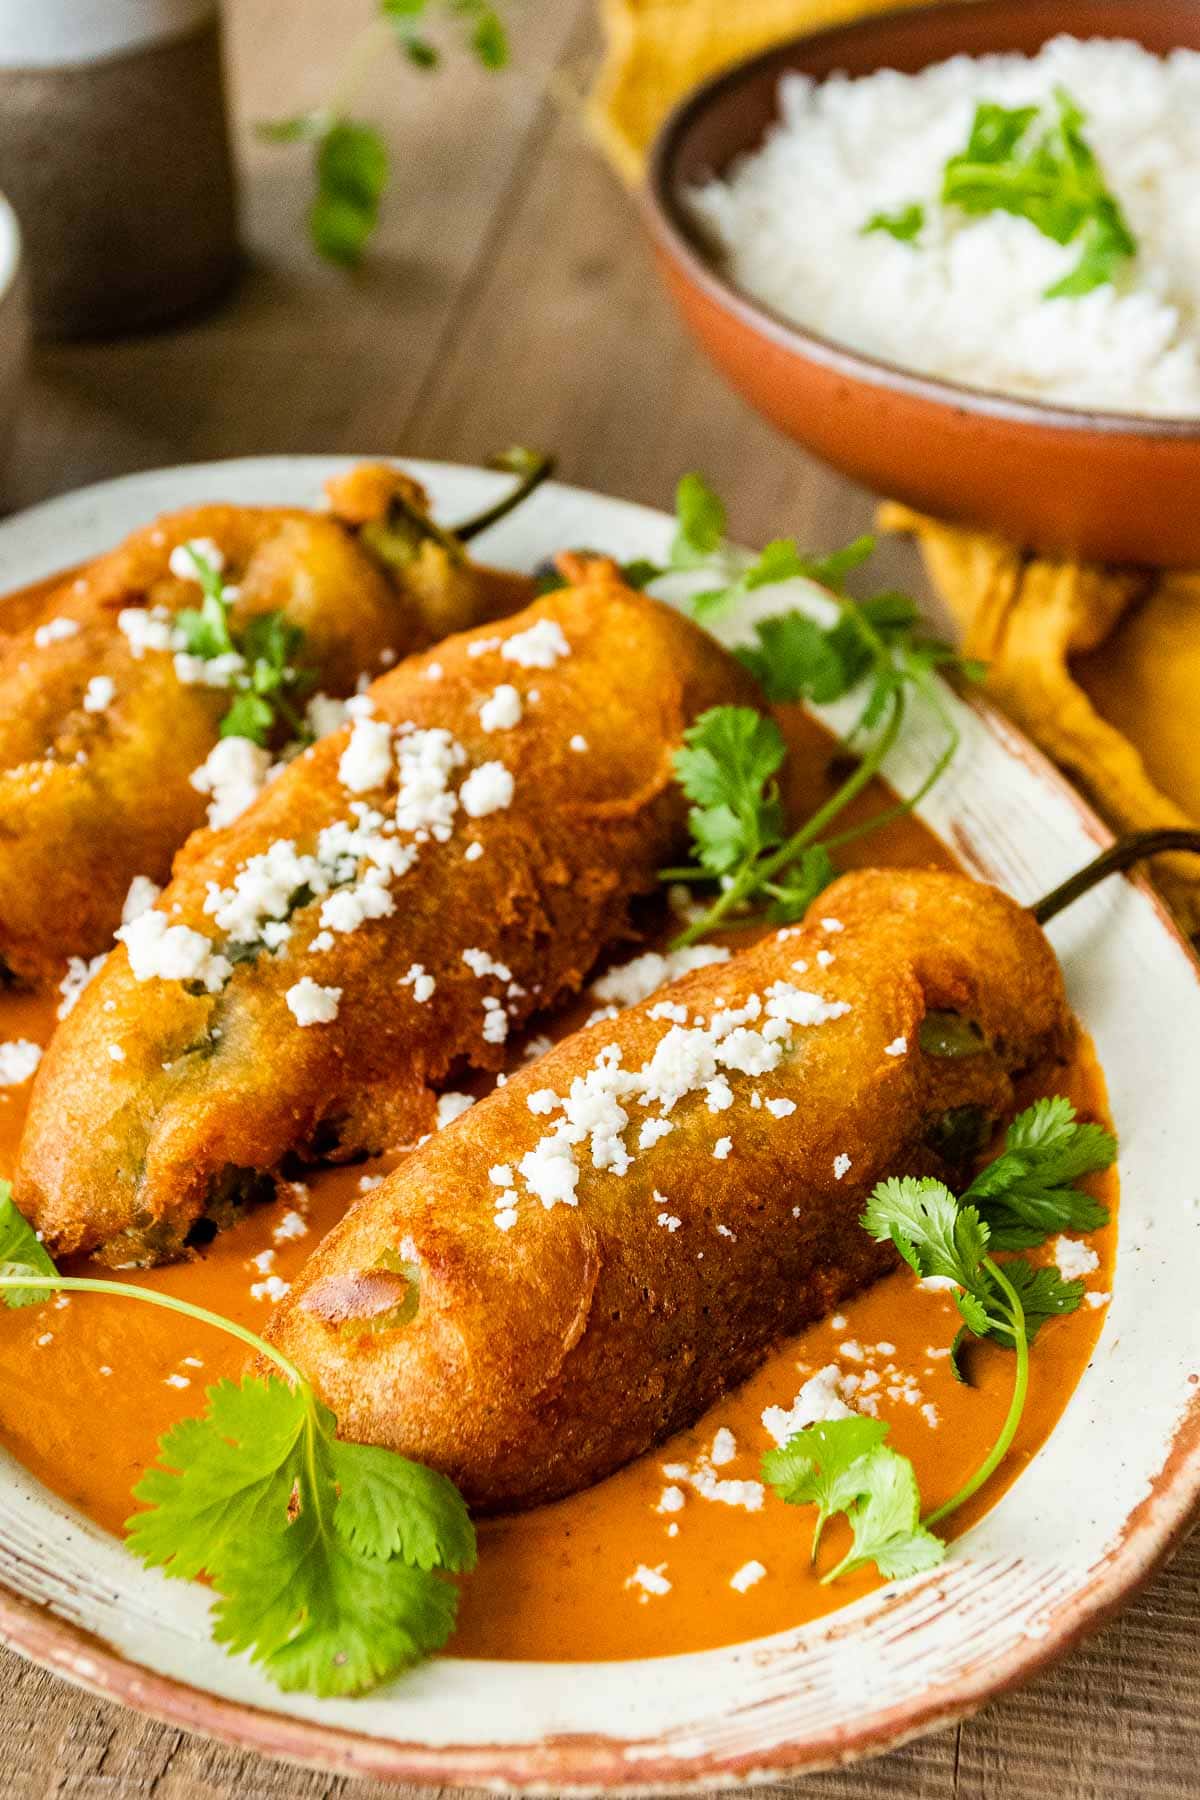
x: 1100, y: 666
x: 657, y: 49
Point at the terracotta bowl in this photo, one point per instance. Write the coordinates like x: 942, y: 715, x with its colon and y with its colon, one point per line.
x: 1107, y: 486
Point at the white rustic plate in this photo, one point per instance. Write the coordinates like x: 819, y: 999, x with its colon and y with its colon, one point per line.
x: 1100, y: 1504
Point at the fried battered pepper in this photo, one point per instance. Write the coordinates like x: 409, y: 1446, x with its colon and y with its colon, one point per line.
x: 407, y: 891
x: 591, y: 1256
x: 103, y: 726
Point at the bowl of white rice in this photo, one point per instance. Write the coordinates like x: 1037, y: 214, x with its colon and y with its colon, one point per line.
x: 955, y: 251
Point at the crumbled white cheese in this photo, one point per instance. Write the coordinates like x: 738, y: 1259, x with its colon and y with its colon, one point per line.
x: 500, y: 1175
x: 824, y: 958
x: 185, y: 559
x: 820, y: 1398
x: 422, y: 984
x: 159, y: 950
x: 141, y: 897
x: 506, y: 1218
x: 1095, y: 1298
x: 481, y: 646
x: 177, y: 1381
x: 99, y: 694
x: 78, y: 974
x: 452, y: 1106
x: 671, y: 1500
x: 841, y: 1166
x: 703, y: 1479
x: 832, y: 925
x: 897, y: 1047
x: 718, y: 1094
x: 722, y: 1147
x: 779, y: 1109
x: 18, y: 1060
x: 669, y: 1221
x: 292, y: 1225
x: 272, y: 1289
x: 653, y: 1131
x: 502, y: 709
x: 368, y: 1183
x: 1074, y: 1258
x: 434, y: 671
x: 578, y: 742
x: 311, y: 1004
x: 264, y: 1261
x: 208, y: 671
x: 481, y: 963
x: 746, y: 1576
x: 651, y: 1581
x: 234, y: 773
x: 115, y: 1053
x: 633, y: 981
x: 495, y: 1022
x: 425, y: 801
x: 366, y: 762
x: 324, y: 714
x: 487, y: 789
x: 55, y: 631
x: 473, y: 852
x: 146, y: 629
x: 724, y: 1447
x: 540, y: 647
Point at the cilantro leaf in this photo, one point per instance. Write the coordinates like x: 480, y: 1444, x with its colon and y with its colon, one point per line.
x: 886, y: 1522
x: 1043, y: 1293
x: 319, y: 1616
x: 218, y: 1476
x: 1053, y: 179
x: 934, y: 1233
x: 351, y: 175
x: 825, y: 1465
x: 797, y: 659
x: 726, y: 765
x: 250, y: 717
x: 844, y: 1466
x: 1027, y: 1193
x: 326, y: 1557
x: 701, y: 518
x: 390, y: 1506
x: 21, y: 1252
x: 905, y: 224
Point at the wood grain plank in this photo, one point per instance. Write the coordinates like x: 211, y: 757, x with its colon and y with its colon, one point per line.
x: 305, y: 356
x: 580, y: 352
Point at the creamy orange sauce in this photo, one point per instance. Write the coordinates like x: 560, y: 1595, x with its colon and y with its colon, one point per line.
x: 89, y: 1384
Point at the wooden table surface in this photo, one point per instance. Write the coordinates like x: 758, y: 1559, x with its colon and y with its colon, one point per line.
x: 509, y: 299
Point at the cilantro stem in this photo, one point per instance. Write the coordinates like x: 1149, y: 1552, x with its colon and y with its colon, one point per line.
x: 1000, y: 1449
x: 756, y: 873
x: 83, y: 1284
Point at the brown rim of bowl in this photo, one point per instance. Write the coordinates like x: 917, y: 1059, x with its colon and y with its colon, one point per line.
x: 596, y: 1762
x: 666, y: 211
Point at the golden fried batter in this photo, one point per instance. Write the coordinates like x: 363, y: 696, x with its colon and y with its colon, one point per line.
x: 357, y: 984
x: 94, y: 789
x: 527, y: 1351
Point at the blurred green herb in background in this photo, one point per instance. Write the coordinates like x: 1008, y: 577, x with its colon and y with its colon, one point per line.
x: 350, y: 158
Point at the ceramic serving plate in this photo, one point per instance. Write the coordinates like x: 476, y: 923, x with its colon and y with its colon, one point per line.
x: 1083, y: 1525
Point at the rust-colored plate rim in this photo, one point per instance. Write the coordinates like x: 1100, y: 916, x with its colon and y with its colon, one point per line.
x: 667, y: 218
x: 599, y: 1761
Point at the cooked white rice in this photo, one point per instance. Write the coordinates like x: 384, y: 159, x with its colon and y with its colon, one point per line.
x: 966, y: 301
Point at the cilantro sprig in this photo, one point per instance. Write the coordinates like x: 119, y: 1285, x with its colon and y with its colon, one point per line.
x: 350, y: 157
x: 731, y: 756
x: 269, y: 646
x: 1037, y: 164
x: 328, y: 1559
x: 845, y: 1465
